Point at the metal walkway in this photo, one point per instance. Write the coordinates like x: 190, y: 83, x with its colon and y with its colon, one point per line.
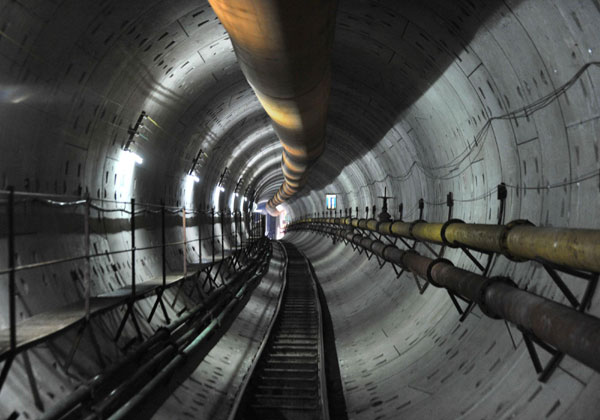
x: 46, y: 325
x: 288, y: 380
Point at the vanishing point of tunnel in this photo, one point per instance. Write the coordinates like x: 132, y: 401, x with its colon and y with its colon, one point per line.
x: 319, y: 209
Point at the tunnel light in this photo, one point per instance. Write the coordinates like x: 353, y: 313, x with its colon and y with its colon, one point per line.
x: 236, y: 194
x: 221, y: 188
x: 331, y: 200
x: 192, y: 178
x: 280, y: 207
x: 134, y: 157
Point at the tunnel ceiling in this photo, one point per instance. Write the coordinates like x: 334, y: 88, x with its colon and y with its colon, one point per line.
x: 414, y: 86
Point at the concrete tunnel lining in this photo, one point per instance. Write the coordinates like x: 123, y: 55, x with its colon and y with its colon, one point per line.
x: 414, y: 86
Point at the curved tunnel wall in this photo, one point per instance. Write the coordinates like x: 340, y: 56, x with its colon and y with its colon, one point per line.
x: 416, y: 91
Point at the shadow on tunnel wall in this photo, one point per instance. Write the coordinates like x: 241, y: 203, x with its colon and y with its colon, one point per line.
x: 439, y: 30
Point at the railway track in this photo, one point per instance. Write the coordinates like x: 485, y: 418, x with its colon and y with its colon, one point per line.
x: 287, y: 380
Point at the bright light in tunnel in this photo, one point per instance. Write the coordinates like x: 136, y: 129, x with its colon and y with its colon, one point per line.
x: 215, y: 197
x: 133, y: 156
x: 281, y: 221
x: 192, y: 178
x: 124, y: 171
x: 232, y: 200
x: 221, y: 188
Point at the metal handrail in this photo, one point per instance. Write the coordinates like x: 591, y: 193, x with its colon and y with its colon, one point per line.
x: 47, y: 199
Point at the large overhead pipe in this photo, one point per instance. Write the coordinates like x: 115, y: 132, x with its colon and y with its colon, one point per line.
x: 567, y: 329
x: 519, y: 240
x: 283, y: 49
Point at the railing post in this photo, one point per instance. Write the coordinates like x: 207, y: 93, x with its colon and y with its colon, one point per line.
x: 133, y: 249
x: 164, y: 246
x: 235, y: 229
x: 200, y: 236
x: 86, y: 271
x: 11, y: 266
x: 213, y: 235
x: 222, y: 235
x: 184, y: 247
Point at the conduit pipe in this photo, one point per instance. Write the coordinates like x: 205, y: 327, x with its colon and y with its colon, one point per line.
x: 160, y: 346
x: 284, y: 52
x: 568, y: 330
x: 518, y: 240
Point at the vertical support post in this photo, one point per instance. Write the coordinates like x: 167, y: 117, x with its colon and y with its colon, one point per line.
x: 213, y: 235
x: 222, y: 235
x: 86, y: 270
x: 11, y: 266
x: 164, y: 243
x: 200, y: 237
x: 133, y: 249
x: 184, y: 245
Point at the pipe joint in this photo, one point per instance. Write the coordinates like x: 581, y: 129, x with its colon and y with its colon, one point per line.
x: 412, y: 226
x: 443, y: 232
x: 430, y: 268
x: 504, y: 238
x: 481, y: 297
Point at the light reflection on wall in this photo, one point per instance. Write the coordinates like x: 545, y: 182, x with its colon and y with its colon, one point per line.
x: 188, y: 191
x: 232, y: 200
x: 282, y: 221
x: 215, y: 197
x: 124, y: 171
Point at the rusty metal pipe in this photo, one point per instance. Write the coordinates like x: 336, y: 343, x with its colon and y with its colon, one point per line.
x: 568, y: 330
x: 284, y: 50
x: 519, y: 240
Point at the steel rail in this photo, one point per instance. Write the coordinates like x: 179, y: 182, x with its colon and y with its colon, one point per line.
x: 246, y: 380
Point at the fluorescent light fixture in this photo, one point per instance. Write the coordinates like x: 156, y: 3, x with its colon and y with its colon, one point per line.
x: 193, y: 178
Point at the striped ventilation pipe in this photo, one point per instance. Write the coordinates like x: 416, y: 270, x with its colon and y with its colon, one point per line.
x: 284, y: 49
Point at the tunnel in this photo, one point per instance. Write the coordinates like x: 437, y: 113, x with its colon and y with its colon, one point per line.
x: 148, y: 198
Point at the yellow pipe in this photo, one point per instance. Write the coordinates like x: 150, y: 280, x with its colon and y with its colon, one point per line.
x: 372, y: 225
x: 476, y: 236
x: 429, y: 232
x: 401, y: 229
x: 574, y: 248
